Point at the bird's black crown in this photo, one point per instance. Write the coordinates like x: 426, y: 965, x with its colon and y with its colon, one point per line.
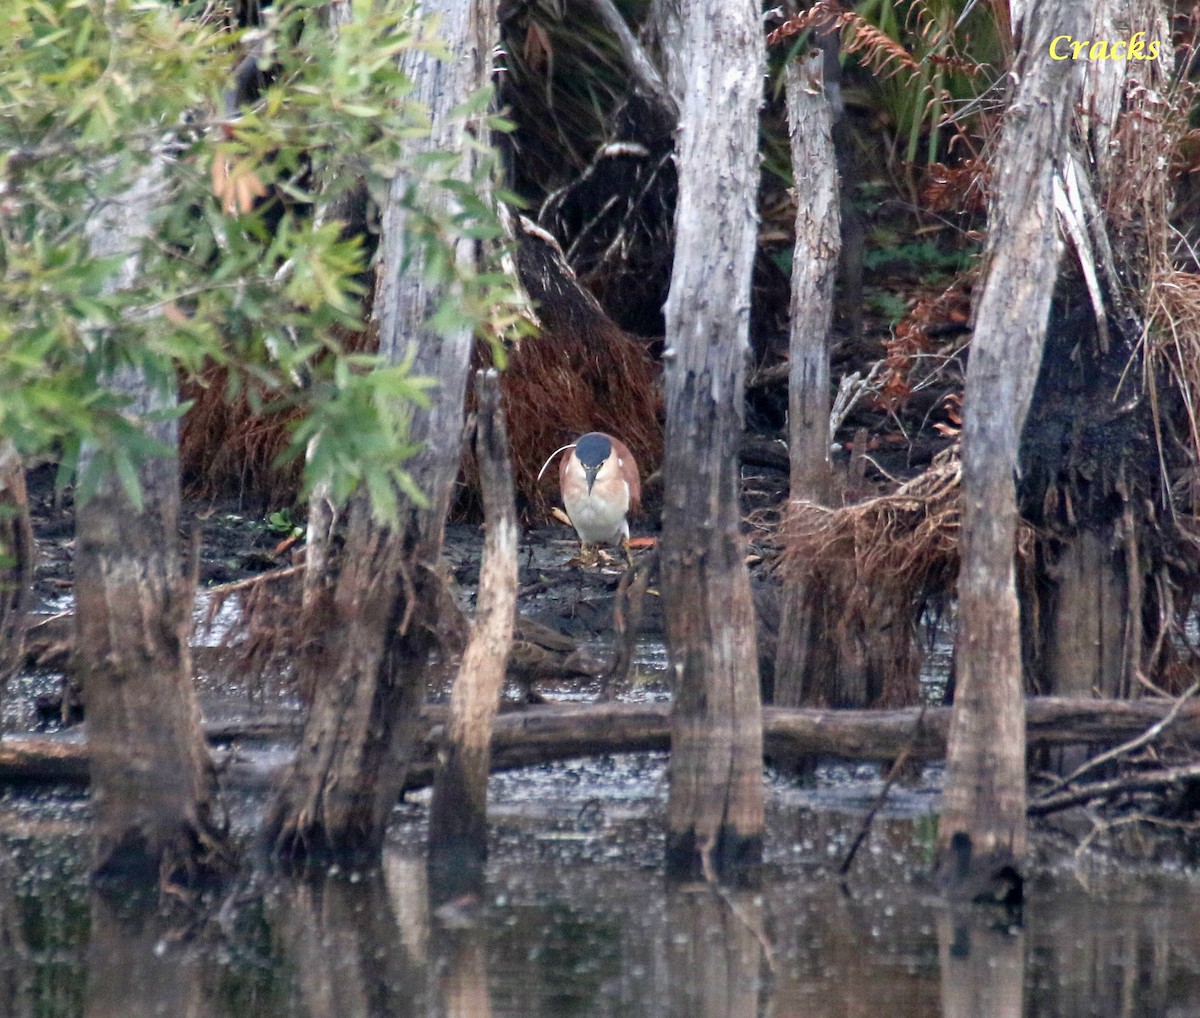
x: 593, y: 449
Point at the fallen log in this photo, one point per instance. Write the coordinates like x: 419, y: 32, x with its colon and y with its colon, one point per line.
x: 542, y: 734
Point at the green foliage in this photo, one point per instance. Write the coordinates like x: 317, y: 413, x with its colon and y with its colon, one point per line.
x: 890, y: 305
x: 954, y: 45
x: 245, y: 265
x: 281, y: 523
x: 923, y: 256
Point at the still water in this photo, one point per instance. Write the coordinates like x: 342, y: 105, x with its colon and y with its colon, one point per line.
x: 578, y: 921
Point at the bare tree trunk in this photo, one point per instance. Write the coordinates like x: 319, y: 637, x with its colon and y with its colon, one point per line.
x: 814, y: 268
x: 376, y: 616
x: 664, y: 36
x: 17, y: 556
x: 806, y: 631
x: 154, y: 791
x: 1092, y: 482
x: 458, y: 813
x: 715, y: 807
x: 981, y: 837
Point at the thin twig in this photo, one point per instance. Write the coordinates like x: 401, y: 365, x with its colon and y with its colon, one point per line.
x: 893, y: 774
x: 1146, y: 781
x: 1149, y: 735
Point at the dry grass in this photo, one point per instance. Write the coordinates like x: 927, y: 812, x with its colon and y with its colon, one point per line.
x: 867, y: 572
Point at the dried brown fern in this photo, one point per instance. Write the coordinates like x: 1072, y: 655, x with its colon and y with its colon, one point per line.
x: 875, y: 49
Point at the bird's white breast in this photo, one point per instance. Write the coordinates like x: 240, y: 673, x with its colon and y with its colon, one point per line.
x: 599, y: 516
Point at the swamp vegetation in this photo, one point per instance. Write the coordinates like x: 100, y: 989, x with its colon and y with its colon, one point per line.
x: 905, y: 344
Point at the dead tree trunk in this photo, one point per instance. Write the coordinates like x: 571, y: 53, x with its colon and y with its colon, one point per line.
x: 1093, y: 483
x: 375, y: 618
x: 981, y: 838
x: 538, y: 735
x: 16, y: 560
x: 715, y: 807
x: 806, y: 631
x: 458, y: 813
x: 153, y: 784
x: 814, y: 268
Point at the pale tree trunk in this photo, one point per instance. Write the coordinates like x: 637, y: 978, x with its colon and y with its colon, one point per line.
x: 375, y: 618
x: 814, y: 268
x: 981, y: 837
x: 806, y: 630
x: 1095, y: 494
x: 17, y: 556
x: 153, y: 785
x: 663, y: 33
x: 715, y: 806
x: 458, y: 813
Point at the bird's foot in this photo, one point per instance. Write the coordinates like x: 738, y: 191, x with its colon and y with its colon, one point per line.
x: 589, y: 555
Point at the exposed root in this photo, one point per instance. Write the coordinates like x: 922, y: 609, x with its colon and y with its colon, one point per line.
x: 884, y: 558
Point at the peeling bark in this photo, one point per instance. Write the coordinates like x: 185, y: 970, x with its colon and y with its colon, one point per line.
x: 982, y: 832
x: 715, y: 806
x: 814, y: 267
x: 375, y: 620
x: 458, y: 813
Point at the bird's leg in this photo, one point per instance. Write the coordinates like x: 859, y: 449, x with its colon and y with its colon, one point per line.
x: 588, y: 554
x: 628, y: 551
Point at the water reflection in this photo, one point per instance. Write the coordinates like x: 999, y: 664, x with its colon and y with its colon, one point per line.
x: 137, y: 963
x: 460, y: 972
x: 982, y: 961
x: 576, y: 924
x: 16, y: 965
x: 339, y: 936
x: 716, y: 953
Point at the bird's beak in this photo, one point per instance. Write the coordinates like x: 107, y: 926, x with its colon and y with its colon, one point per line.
x: 590, y: 473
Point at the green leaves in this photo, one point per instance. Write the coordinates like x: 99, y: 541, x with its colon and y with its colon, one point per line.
x: 357, y: 432
x: 248, y: 263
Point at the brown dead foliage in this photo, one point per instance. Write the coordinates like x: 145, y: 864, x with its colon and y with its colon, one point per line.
x: 581, y: 373
x: 883, y: 558
x: 227, y: 447
x: 907, y: 537
x: 961, y: 188
x: 877, y: 50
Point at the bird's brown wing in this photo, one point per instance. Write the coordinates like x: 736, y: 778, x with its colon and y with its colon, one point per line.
x: 629, y: 471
